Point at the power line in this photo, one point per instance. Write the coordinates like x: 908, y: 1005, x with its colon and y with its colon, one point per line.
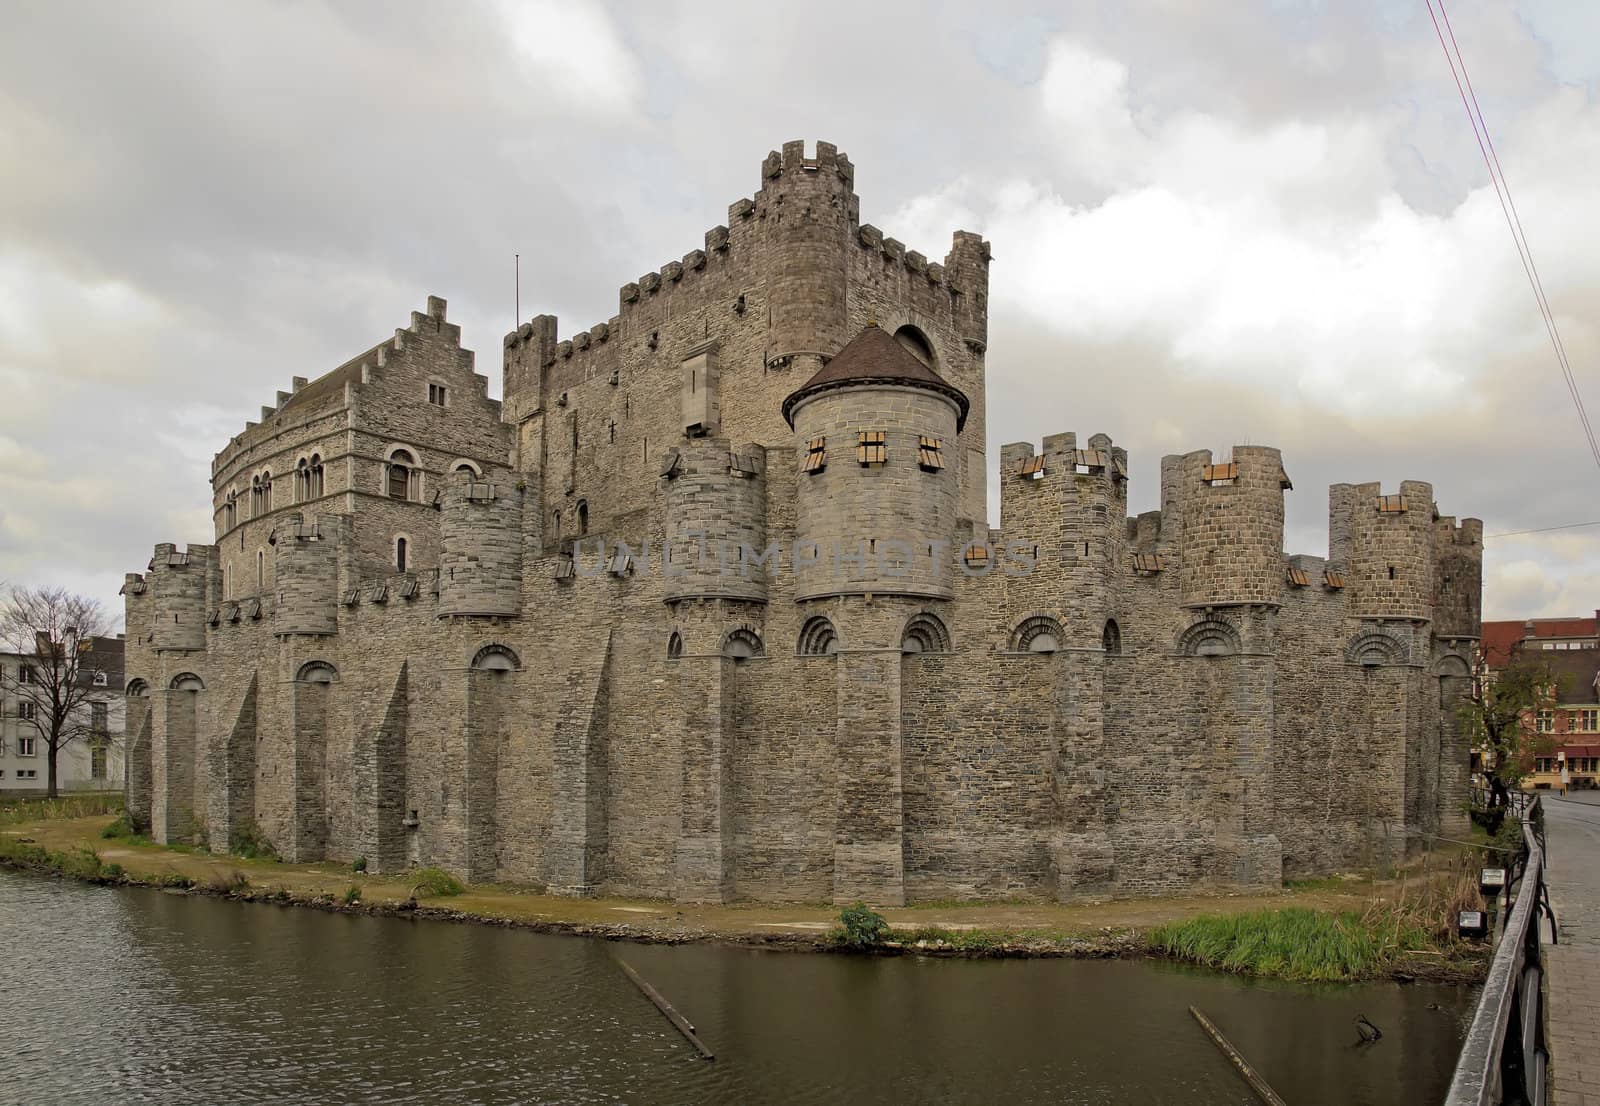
x: 1502, y: 190
x: 1541, y: 530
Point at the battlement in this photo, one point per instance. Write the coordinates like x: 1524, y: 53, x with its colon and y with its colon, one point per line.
x: 807, y: 213
x: 1469, y: 532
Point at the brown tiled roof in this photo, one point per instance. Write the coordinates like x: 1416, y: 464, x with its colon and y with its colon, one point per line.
x: 875, y: 357
x: 1501, y: 637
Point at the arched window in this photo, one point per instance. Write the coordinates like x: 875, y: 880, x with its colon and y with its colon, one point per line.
x: 1373, y: 649
x: 230, y: 510
x: 1209, y: 638
x: 674, y: 646
x: 302, y: 481
x: 138, y: 689
x: 402, y: 474
x: 495, y: 658
x: 187, y: 681
x: 255, y: 497
x: 400, y: 554
x: 1039, y: 634
x: 555, y: 525
x: 916, y: 343
x: 266, y: 491
x: 1111, y: 637
x: 316, y: 672
x: 468, y: 467
x: 261, y: 569
x: 818, y: 638
x: 583, y: 517
x: 924, y: 633
x: 742, y: 644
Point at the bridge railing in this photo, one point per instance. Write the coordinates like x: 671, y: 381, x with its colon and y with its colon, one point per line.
x: 1503, y: 1059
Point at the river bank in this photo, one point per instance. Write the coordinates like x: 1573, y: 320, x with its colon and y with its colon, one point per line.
x: 1357, y: 909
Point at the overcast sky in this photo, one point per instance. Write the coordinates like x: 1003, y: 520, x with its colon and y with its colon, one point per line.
x: 1269, y: 223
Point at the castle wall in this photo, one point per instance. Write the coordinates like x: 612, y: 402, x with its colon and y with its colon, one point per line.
x: 1086, y: 706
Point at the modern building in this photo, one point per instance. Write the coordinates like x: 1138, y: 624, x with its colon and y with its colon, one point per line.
x: 91, y: 762
x: 708, y: 607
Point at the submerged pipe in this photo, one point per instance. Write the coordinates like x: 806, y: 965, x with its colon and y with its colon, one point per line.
x: 1257, y: 1084
x: 680, y: 1022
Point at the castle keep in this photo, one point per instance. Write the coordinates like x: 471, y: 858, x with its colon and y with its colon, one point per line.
x: 708, y: 608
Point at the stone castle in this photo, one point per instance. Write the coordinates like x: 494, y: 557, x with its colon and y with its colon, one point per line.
x: 708, y: 608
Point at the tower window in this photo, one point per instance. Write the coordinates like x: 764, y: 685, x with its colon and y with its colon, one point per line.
x: 436, y: 394
x: 930, y: 454
x: 401, y: 474
x: 816, y: 455
x: 583, y: 517
x: 400, y: 554
x: 1391, y: 572
x: 872, y: 448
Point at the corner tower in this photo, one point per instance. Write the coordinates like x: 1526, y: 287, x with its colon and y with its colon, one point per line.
x: 876, y: 505
x: 811, y: 208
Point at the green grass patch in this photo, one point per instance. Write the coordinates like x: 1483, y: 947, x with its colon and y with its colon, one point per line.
x: 1296, y: 943
x: 434, y: 881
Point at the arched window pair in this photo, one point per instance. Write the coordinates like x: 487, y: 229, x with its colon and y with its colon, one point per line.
x: 308, y: 478
x: 230, y: 510
x: 261, y: 494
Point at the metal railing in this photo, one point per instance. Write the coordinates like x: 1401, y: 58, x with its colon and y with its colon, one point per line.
x: 1503, y: 1059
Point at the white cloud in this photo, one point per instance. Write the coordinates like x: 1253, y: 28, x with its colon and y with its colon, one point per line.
x: 573, y: 53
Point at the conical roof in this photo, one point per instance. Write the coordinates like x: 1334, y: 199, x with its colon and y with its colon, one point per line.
x: 875, y: 357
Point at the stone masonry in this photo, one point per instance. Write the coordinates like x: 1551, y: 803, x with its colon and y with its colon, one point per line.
x: 708, y: 608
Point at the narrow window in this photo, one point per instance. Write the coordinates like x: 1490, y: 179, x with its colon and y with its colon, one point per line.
x: 930, y: 454
x: 266, y: 491
x: 97, y: 761
x: 261, y: 569
x: 302, y: 481
x: 871, y: 447
x: 316, y: 475
x: 400, y: 554
x: 97, y: 717
x: 436, y: 394
x: 1391, y: 572
x: 816, y: 455
x: 583, y: 517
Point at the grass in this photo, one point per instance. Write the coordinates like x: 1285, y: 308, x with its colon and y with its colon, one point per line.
x: 1295, y: 943
x: 16, y: 811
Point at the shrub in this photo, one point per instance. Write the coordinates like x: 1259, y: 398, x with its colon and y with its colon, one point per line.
x: 247, y: 841
x: 352, y: 895
x: 120, y: 828
x: 861, y: 926
x: 174, y: 879
x: 434, y: 881
x: 114, y: 871
x: 359, y: 864
x: 230, y: 883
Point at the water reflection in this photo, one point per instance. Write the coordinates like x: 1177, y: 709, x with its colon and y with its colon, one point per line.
x: 148, y: 997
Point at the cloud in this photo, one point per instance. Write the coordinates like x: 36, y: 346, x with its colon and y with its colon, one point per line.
x: 1257, y: 222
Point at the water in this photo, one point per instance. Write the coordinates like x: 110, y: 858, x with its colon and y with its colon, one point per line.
x: 133, y: 995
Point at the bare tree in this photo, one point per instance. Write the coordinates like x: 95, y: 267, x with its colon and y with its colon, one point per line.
x: 1500, y: 720
x: 53, y: 632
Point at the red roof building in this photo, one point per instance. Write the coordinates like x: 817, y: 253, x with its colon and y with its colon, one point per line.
x: 1501, y: 639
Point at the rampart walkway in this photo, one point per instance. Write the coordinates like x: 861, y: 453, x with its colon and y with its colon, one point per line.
x: 1572, y: 838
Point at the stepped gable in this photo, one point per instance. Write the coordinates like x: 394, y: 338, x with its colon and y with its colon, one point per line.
x: 875, y: 357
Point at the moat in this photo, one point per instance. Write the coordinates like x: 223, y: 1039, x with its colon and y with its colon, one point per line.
x: 134, y: 995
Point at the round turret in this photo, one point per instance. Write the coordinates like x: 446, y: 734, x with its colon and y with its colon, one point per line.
x: 810, y: 209
x: 716, y: 521
x: 306, y: 571
x: 877, y: 498
x: 177, y: 584
x: 1232, y: 518
x: 1391, y: 551
x: 480, y: 558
